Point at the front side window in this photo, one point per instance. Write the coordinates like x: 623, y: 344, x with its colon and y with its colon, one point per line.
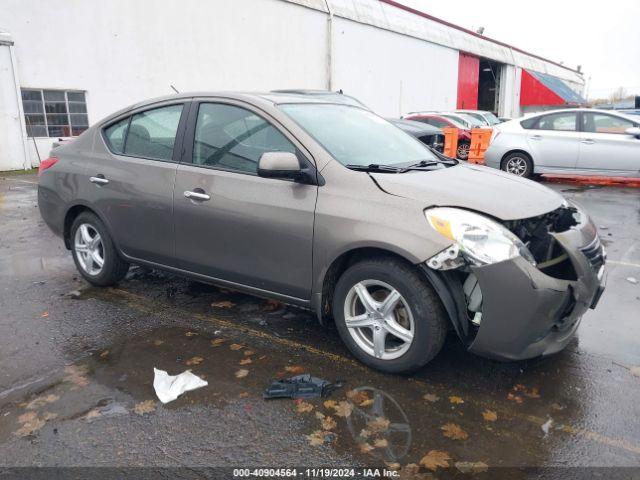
x: 233, y: 138
x: 562, y: 122
x: 54, y: 113
x: 354, y: 136
x: 152, y: 133
x: 602, y: 123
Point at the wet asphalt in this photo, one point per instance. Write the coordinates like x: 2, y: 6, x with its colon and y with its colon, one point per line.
x: 76, y: 373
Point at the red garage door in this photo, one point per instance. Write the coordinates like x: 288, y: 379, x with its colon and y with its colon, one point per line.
x: 468, y: 72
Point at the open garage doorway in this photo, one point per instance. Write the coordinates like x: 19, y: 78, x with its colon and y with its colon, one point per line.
x: 489, y: 85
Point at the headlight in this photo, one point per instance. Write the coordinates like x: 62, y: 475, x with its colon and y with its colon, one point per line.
x: 481, y: 240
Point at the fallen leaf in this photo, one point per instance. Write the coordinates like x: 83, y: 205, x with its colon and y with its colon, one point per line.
x: 381, y: 443
x: 364, y: 433
x: 367, y: 402
x: 157, y: 343
x: 411, y: 471
x: 75, y: 374
x: 246, y: 361
x: 490, y: 415
x: 316, y: 438
x: 91, y: 414
x: 328, y: 404
x: 236, y: 346
x: 357, y: 396
x: 295, y: 369
x: 343, y: 409
x: 41, y: 401
x: 46, y: 416
x: 190, y: 334
x: 635, y: 371
x: 435, y: 459
x: 453, y: 431
x: 194, y: 361
x: 45, y: 314
x: 244, y: 395
x: 271, y: 305
x: 30, y: 423
x: 248, y: 353
x: 242, y: 373
x: 455, y: 400
x: 365, y: 447
x: 104, y: 354
x: 319, y: 415
x: 392, y: 465
x: 328, y: 423
x: 471, y: 467
x: 217, y: 342
x: 514, y: 398
x: 304, y: 407
x: 378, y: 424
x: 430, y: 397
x: 223, y: 304
x: 147, y: 406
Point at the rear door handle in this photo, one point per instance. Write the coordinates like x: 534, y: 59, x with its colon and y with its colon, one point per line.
x: 199, y: 196
x: 99, y: 180
x: 588, y: 141
x: 536, y: 137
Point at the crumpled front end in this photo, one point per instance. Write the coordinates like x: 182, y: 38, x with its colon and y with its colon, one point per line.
x: 514, y: 309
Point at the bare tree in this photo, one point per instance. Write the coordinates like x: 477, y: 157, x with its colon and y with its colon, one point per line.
x: 618, y: 94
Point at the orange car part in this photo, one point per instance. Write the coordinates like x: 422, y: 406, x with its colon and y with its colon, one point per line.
x: 450, y: 141
x: 480, y: 138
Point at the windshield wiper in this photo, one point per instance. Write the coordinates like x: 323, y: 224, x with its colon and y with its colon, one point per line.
x: 374, y: 167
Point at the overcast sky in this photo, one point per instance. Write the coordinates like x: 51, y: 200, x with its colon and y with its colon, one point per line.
x: 603, y: 37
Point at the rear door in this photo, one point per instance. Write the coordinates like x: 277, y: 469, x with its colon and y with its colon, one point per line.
x: 243, y: 228
x: 605, y: 148
x: 554, y: 141
x: 131, y: 179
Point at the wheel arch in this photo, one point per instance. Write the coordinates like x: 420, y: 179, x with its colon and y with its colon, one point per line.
x: 516, y: 150
x: 71, y: 214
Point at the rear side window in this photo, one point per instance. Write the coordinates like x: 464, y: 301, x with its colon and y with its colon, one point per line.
x: 152, y: 133
x: 529, y: 123
x: 562, y: 122
x: 116, y: 134
x: 233, y: 138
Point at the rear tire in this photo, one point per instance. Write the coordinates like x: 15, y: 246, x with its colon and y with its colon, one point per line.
x: 94, y: 252
x: 418, y: 311
x: 518, y: 163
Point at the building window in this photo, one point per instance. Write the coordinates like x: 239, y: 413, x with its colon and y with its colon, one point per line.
x: 54, y: 113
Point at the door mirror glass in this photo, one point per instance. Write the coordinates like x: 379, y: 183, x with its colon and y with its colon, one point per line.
x: 279, y: 165
x: 634, y: 131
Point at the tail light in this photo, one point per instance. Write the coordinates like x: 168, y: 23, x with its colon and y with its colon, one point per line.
x: 47, y: 163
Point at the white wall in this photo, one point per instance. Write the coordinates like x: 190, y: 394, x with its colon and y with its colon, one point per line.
x: 13, y: 154
x: 393, y: 73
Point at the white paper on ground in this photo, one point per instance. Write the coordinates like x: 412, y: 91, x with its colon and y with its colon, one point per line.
x: 169, y: 387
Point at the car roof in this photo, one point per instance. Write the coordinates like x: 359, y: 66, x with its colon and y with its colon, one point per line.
x: 274, y: 98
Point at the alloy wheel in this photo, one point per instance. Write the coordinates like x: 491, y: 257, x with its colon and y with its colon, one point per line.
x: 379, y: 319
x: 517, y: 166
x: 89, y: 249
x: 463, y: 151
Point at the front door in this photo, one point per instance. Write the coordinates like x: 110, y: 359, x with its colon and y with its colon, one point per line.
x: 240, y: 227
x: 605, y: 148
x: 554, y: 141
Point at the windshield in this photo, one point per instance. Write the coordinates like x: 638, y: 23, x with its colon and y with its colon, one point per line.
x: 354, y: 136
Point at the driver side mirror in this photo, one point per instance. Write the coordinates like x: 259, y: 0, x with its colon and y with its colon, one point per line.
x: 279, y: 165
x: 633, y: 131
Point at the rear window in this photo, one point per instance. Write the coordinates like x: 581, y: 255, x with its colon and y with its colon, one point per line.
x: 529, y: 123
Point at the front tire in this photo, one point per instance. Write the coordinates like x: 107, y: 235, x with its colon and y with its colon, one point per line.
x: 94, y: 253
x: 388, y: 315
x: 518, y: 163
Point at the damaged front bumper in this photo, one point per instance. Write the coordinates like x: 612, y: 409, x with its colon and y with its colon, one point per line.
x: 525, y: 312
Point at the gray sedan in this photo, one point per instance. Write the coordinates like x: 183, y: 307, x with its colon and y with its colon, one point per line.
x: 576, y: 141
x: 328, y: 207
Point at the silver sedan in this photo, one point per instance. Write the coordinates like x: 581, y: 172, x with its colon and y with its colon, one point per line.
x: 575, y: 141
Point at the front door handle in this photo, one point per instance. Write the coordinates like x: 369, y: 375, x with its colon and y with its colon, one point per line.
x: 588, y: 141
x: 199, y: 196
x: 536, y: 137
x: 99, y: 180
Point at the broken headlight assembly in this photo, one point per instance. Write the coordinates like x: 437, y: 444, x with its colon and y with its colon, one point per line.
x: 477, y: 239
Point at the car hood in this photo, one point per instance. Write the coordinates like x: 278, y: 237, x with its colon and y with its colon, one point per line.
x: 485, y: 190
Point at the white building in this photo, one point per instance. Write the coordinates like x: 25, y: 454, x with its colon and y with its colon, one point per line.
x: 67, y: 63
